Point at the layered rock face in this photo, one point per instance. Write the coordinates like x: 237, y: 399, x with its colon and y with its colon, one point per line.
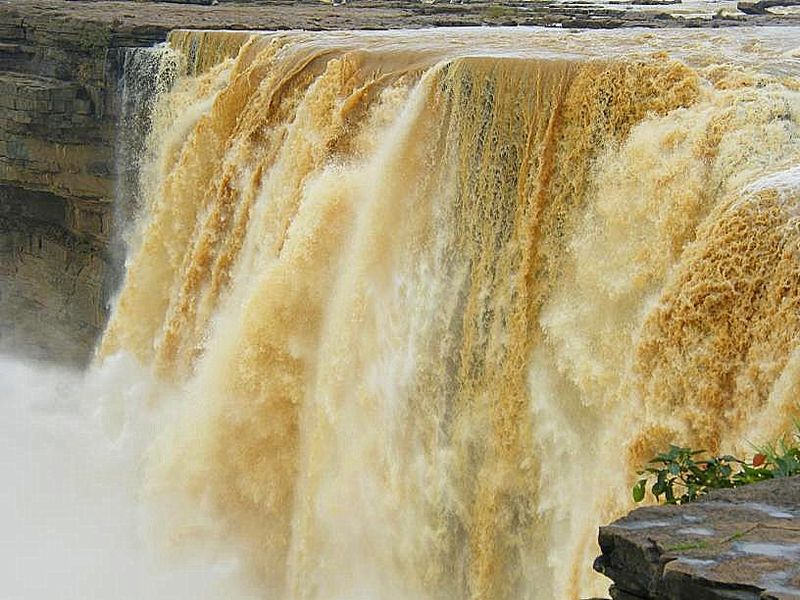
x: 57, y: 177
x: 741, y: 544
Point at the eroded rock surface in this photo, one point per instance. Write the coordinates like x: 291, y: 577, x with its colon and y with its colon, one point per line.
x: 741, y: 544
x: 58, y: 114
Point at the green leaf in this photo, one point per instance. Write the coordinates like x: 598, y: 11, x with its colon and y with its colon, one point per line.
x: 638, y: 490
x: 681, y: 475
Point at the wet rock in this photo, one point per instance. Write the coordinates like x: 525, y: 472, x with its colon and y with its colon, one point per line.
x: 762, y: 6
x: 733, y: 545
x: 655, y: 2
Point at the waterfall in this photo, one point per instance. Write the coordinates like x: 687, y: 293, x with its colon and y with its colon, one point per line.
x: 147, y: 73
x: 427, y: 300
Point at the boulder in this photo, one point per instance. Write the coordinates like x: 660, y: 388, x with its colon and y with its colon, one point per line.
x: 741, y: 544
x: 762, y: 6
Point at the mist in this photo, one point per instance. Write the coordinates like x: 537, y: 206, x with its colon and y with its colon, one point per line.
x: 77, y: 523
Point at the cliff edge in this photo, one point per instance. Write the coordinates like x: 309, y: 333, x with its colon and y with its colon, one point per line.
x: 741, y: 544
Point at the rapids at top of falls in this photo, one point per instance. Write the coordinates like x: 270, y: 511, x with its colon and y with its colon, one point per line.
x: 427, y: 299
x: 773, y: 50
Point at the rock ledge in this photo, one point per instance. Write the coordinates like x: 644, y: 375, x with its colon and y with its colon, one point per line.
x: 741, y: 544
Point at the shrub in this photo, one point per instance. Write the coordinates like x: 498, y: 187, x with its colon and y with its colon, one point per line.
x: 683, y: 475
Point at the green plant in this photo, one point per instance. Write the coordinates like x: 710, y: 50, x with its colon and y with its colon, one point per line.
x: 784, y: 457
x: 683, y: 475
x: 499, y: 11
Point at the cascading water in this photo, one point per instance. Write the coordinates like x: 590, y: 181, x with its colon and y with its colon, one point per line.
x: 427, y: 299
x: 148, y: 73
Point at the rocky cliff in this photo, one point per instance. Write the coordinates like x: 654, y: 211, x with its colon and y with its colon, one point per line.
x: 57, y: 171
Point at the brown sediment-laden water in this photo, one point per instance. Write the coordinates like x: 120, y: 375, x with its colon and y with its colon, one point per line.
x: 425, y: 301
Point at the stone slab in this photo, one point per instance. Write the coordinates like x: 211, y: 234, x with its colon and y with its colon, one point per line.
x: 741, y: 544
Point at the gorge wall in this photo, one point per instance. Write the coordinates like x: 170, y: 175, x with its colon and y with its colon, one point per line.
x: 59, y: 108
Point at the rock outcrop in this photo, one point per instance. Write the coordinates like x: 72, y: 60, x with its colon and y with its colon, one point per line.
x: 57, y: 178
x: 741, y: 544
x: 762, y: 7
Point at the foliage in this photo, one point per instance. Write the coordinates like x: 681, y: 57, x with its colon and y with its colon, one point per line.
x: 683, y: 475
x: 499, y: 11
